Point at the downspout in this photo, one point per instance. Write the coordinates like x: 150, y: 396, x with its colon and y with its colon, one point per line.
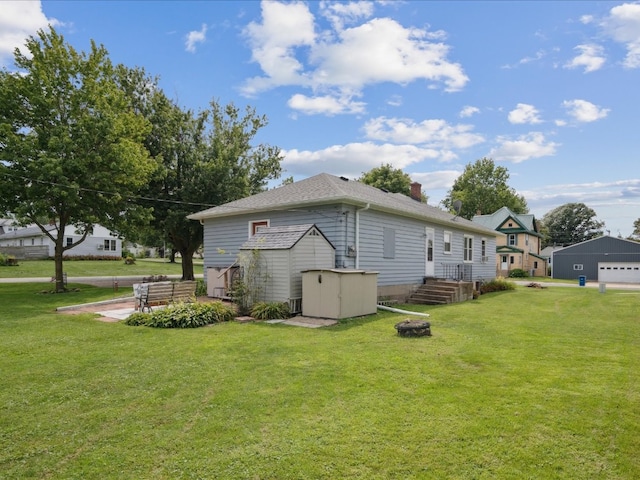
x: 366, y: 207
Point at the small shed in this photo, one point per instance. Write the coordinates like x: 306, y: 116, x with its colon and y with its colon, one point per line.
x: 339, y: 293
x: 273, y: 259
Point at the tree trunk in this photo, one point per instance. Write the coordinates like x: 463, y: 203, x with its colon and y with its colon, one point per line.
x: 187, y: 264
x: 60, y: 286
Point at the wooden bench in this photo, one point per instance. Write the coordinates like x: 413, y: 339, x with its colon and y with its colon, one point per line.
x: 164, y: 293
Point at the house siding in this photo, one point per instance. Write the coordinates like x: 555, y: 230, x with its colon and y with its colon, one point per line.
x: 224, y: 236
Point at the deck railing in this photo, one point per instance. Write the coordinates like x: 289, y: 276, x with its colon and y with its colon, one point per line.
x: 455, y: 271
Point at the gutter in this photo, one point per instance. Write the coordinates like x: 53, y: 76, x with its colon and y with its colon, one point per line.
x: 362, y: 209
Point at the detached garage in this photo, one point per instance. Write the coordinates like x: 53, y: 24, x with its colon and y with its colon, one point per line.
x: 604, y: 259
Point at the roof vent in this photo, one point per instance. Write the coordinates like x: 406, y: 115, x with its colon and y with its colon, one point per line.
x: 344, y: 179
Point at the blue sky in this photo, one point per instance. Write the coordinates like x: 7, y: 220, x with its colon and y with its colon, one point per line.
x: 547, y: 89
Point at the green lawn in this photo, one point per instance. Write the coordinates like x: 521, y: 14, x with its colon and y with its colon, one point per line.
x: 92, y: 268
x: 533, y: 383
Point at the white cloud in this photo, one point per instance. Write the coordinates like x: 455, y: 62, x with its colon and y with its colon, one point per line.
x: 434, y: 133
x: 623, y: 25
x: 18, y: 21
x: 525, y: 147
x: 194, y: 37
x: 339, y: 13
x: 583, y: 111
x: 469, y: 111
x: 586, y: 19
x: 438, y: 180
x: 352, y: 159
x: 289, y: 52
x: 327, y: 105
x: 524, y: 113
x: 591, y: 58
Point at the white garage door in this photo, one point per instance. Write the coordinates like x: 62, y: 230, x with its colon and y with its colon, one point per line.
x: 618, y: 272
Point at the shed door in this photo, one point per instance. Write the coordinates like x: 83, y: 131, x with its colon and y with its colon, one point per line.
x: 429, y: 269
x: 619, y: 272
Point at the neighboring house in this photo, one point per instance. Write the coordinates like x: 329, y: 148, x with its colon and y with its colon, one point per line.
x: 8, y: 225
x: 399, y: 237
x: 547, y: 253
x: 31, y: 242
x: 603, y: 259
x: 519, y: 248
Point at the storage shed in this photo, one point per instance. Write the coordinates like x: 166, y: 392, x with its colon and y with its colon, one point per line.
x: 273, y: 259
x: 339, y: 293
x: 602, y: 259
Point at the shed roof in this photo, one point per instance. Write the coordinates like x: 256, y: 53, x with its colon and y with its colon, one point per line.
x: 279, y: 238
x: 326, y: 189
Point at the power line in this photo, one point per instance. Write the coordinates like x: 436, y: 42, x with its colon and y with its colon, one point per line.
x: 85, y: 189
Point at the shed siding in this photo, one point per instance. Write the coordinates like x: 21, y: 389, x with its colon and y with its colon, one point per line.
x: 311, y: 252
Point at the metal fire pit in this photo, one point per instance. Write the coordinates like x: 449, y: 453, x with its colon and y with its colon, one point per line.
x: 413, y: 328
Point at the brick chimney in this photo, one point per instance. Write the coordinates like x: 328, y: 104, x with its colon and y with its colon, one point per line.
x: 416, y: 191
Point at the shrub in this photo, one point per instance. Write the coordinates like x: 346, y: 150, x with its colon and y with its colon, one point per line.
x: 518, y: 273
x: 270, y: 310
x: 129, y: 260
x: 497, y: 285
x: 137, y: 319
x: 90, y: 257
x: 184, y: 315
x: 8, y: 260
x: 201, y: 288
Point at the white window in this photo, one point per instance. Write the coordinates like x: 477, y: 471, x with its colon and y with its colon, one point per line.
x: 577, y: 266
x: 483, y: 250
x: 253, y: 226
x: 512, y: 239
x: 110, y: 245
x: 69, y: 241
x: 447, y: 242
x: 468, y: 248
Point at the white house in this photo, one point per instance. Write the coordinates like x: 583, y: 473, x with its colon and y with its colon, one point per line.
x: 101, y: 243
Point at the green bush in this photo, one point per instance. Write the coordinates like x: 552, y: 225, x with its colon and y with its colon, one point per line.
x: 7, y: 260
x: 201, y: 288
x: 184, y: 315
x: 497, y: 285
x: 270, y: 310
x: 137, y: 319
x: 518, y: 273
x: 129, y: 260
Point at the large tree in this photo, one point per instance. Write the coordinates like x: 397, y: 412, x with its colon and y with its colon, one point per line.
x: 636, y: 230
x: 71, y: 151
x: 390, y: 179
x: 482, y: 189
x: 207, y: 159
x: 570, y: 223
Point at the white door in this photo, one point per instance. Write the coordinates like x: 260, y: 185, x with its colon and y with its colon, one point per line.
x: 504, y: 264
x: 429, y: 270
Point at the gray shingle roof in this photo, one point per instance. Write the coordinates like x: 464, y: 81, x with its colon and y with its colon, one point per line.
x: 276, y: 238
x: 324, y: 189
x: 27, y: 232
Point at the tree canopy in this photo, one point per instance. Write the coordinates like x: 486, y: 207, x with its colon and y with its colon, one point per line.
x: 206, y: 159
x: 570, y: 223
x: 71, y: 143
x: 482, y: 188
x: 391, y: 179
